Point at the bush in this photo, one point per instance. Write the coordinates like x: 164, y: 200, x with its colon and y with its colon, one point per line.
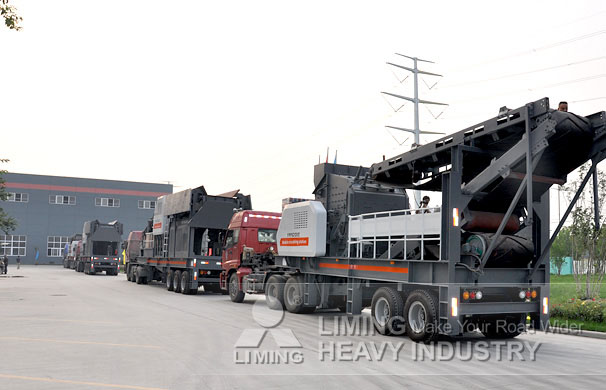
x: 584, y: 310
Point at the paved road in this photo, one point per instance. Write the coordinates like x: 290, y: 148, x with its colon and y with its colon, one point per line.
x: 67, y: 330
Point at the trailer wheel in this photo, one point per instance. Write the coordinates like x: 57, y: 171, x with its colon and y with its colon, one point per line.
x: 170, y: 286
x: 504, y: 327
x: 421, y: 316
x: 185, y: 285
x: 235, y: 294
x: 132, y: 274
x: 177, y: 281
x: 387, y: 311
x: 274, y: 292
x: 293, y: 296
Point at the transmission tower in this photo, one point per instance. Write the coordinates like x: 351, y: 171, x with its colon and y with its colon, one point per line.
x: 415, y: 100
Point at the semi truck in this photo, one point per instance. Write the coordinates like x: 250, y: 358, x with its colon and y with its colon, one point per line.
x: 69, y: 259
x: 98, y: 249
x: 478, y: 261
x: 183, y: 243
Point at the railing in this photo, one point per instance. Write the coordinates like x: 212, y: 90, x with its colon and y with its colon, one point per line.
x: 413, y: 234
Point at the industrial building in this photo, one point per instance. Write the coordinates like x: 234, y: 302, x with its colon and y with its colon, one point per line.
x: 50, y: 209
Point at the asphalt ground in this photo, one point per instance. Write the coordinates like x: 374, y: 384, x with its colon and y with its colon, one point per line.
x: 65, y: 330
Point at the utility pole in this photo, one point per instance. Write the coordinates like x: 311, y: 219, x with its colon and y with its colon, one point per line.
x: 415, y: 100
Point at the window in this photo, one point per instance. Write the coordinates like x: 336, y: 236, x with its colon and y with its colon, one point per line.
x: 232, y: 238
x: 12, y: 245
x: 62, y: 199
x: 55, y: 245
x: 17, y: 197
x: 107, y: 202
x: 267, y: 235
x: 147, y: 204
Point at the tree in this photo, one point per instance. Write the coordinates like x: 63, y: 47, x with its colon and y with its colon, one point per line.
x: 561, y: 248
x: 588, y: 240
x: 7, y: 223
x: 9, y: 13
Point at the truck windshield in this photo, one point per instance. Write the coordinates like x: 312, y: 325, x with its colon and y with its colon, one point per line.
x: 267, y: 235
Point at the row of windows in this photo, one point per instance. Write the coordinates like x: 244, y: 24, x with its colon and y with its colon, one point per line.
x: 17, y: 197
x: 147, y: 204
x: 71, y: 200
x: 107, y: 202
x: 12, y: 245
x: 55, y: 245
x: 62, y: 199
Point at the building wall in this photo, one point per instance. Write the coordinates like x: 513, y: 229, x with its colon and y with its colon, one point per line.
x: 38, y: 219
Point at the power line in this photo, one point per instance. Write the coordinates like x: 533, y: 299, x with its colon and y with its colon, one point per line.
x: 524, y: 73
x: 534, y: 50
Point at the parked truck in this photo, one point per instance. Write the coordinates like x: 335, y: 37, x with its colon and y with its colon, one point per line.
x: 69, y: 259
x: 98, y: 249
x: 182, y: 245
x: 478, y: 261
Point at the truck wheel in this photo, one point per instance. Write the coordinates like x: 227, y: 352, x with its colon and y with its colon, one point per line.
x: 421, y: 316
x: 387, y: 311
x: 132, y: 274
x: 185, y: 284
x: 274, y: 292
x: 177, y: 281
x: 128, y: 274
x: 169, y: 280
x: 138, y: 277
x: 235, y: 294
x: 506, y: 327
x: 293, y: 296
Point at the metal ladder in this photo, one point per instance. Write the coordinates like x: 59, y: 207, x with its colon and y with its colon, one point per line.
x: 165, y: 245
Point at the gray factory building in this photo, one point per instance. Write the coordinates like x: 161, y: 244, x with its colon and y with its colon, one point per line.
x: 50, y: 209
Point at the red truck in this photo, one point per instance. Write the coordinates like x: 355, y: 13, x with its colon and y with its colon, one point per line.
x: 249, y: 233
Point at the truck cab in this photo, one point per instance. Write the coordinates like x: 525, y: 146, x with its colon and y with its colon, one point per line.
x: 248, y: 231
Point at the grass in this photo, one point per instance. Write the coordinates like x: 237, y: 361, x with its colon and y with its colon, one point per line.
x: 576, y: 324
x: 563, y: 288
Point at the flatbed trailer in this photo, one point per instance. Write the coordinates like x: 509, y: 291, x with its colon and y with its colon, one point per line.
x: 182, y: 246
x: 480, y: 261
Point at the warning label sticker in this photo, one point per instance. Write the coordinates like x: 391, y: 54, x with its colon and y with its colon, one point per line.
x: 294, y: 241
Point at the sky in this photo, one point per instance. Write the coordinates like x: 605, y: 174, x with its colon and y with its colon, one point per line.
x: 250, y: 94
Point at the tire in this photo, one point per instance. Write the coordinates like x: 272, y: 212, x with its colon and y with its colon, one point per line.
x: 387, y: 312
x: 503, y: 327
x: 421, y: 313
x: 169, y: 280
x: 132, y: 274
x: 138, y: 278
x: 128, y: 274
x: 185, y: 285
x: 235, y: 294
x: 274, y: 292
x: 293, y: 296
x: 177, y: 281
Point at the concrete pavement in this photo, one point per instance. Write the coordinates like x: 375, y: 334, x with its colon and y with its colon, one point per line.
x: 67, y: 330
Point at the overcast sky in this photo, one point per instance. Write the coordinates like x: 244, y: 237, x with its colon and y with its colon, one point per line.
x: 248, y: 94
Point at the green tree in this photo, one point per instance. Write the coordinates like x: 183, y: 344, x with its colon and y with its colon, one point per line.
x: 9, y: 13
x: 588, y: 240
x: 7, y: 223
x: 561, y: 248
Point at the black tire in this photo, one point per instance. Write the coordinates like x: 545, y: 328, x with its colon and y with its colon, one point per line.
x: 274, y: 292
x: 128, y: 274
x: 293, y: 296
x: 169, y: 280
x: 177, y: 281
x: 421, y: 313
x: 387, y: 312
x: 185, y: 285
x: 140, y: 279
x: 235, y: 294
x: 503, y: 327
x: 132, y: 274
